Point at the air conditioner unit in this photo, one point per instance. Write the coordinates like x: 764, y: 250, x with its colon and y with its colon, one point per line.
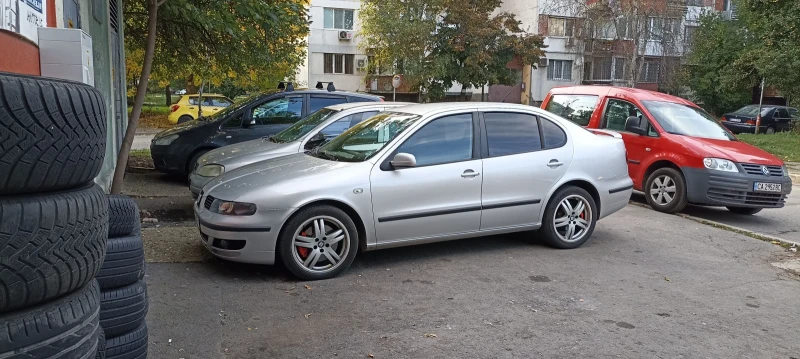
x: 345, y: 35
x: 361, y: 64
x: 542, y: 62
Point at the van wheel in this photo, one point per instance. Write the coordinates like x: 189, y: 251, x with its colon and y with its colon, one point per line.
x: 185, y: 118
x: 744, y: 210
x: 665, y: 190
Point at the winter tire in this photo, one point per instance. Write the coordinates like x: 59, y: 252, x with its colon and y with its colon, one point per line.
x: 123, y: 309
x: 67, y: 327
x: 124, y: 262
x: 52, y: 134
x: 123, y: 216
x: 665, y: 190
x: 318, y: 243
x: 101, y: 345
x: 50, y: 244
x: 569, y: 218
x: 131, y: 345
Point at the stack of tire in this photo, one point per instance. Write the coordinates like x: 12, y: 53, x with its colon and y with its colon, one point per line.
x: 123, y: 293
x: 53, y: 218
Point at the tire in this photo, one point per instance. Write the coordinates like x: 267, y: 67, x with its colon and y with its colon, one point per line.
x: 123, y: 216
x: 676, y: 180
x: 124, y: 263
x: 50, y: 245
x: 67, y: 327
x: 184, y: 119
x: 770, y: 130
x: 101, y: 345
x: 52, y: 134
x: 551, y: 229
x: 290, y: 256
x: 131, y: 345
x: 123, y: 309
x: 744, y: 210
x: 192, y: 160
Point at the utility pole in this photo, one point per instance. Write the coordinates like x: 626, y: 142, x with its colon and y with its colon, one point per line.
x: 760, y: 103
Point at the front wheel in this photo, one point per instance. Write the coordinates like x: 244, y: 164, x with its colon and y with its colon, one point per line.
x: 319, y: 242
x: 665, y: 190
x: 569, y: 218
x: 744, y: 210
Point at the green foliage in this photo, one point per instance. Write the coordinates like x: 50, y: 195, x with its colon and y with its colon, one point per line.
x: 253, y: 43
x: 442, y: 42
x: 782, y: 144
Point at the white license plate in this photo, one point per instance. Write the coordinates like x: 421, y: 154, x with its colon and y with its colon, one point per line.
x: 766, y: 187
x: 735, y: 120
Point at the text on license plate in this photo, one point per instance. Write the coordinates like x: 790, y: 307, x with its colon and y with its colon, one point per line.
x: 735, y: 120
x: 766, y: 187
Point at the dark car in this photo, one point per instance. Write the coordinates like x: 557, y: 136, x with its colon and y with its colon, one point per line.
x: 176, y: 150
x: 773, y: 119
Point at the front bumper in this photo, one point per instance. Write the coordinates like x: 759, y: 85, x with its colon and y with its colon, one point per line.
x: 168, y: 159
x: 196, y: 183
x: 717, y: 188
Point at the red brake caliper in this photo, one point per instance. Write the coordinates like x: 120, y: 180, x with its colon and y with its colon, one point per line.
x: 302, y: 251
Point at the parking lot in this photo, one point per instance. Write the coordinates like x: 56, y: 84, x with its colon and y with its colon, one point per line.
x: 647, y: 285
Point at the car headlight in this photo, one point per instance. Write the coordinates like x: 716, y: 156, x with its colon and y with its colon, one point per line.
x: 211, y: 170
x: 785, y: 171
x: 232, y: 208
x: 166, y: 140
x: 720, y: 165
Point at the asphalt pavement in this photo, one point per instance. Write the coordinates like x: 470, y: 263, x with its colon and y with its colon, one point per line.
x: 647, y: 285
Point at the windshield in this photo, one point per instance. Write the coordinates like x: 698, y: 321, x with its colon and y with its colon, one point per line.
x: 302, y: 127
x: 679, y: 119
x: 366, y: 138
x: 752, y: 110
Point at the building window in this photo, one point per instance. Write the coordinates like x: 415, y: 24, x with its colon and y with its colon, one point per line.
x: 608, y: 68
x: 559, y: 26
x: 694, y: 2
x: 619, y: 68
x: 339, y: 19
x: 663, y: 29
x: 339, y: 64
x: 605, y: 30
x: 688, y: 37
x: 559, y: 70
x: 650, y: 70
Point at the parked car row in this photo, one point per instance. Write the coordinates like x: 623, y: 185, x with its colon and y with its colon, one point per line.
x: 352, y: 177
x: 773, y: 119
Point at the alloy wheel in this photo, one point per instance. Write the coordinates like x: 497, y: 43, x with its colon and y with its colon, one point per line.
x: 572, y: 218
x: 320, y: 244
x: 662, y: 190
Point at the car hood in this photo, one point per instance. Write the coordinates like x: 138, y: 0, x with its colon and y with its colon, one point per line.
x: 244, y: 153
x: 736, y: 151
x: 183, y: 127
x: 297, y: 167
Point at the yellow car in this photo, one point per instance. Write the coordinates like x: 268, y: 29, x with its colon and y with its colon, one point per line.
x: 187, y: 107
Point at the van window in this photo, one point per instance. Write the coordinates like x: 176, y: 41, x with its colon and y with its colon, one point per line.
x: 576, y: 108
x: 617, y: 113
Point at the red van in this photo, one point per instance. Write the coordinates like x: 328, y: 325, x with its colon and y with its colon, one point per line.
x: 677, y: 153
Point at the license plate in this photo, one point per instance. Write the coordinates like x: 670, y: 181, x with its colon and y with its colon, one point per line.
x: 735, y: 120
x: 766, y: 187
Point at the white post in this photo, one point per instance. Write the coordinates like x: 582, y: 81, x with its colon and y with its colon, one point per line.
x: 760, y: 103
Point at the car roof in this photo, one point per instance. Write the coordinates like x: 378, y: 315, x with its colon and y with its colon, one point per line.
x: 352, y: 105
x: 423, y: 109
x: 205, y: 95
x: 622, y: 92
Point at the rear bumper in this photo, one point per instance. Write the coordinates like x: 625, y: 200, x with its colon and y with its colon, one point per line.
x: 737, y: 127
x: 716, y: 188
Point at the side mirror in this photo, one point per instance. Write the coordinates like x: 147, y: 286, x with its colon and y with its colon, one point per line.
x: 315, y: 140
x: 632, y: 125
x: 248, y: 123
x: 404, y: 160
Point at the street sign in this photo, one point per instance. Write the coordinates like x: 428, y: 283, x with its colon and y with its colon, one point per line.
x: 397, y: 80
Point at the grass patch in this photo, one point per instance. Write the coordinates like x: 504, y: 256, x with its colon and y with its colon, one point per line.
x: 140, y: 153
x: 153, y: 117
x: 785, y: 145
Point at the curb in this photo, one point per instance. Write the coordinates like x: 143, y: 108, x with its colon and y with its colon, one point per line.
x: 795, y: 178
x: 761, y: 236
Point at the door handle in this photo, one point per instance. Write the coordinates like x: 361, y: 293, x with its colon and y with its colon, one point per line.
x: 554, y: 163
x: 470, y: 174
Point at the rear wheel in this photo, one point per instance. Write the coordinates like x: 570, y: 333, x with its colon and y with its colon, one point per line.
x: 770, y: 130
x: 318, y: 243
x: 665, y: 190
x: 744, y: 210
x: 185, y: 118
x: 570, y: 218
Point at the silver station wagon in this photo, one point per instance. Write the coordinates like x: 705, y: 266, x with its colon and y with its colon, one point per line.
x: 417, y: 174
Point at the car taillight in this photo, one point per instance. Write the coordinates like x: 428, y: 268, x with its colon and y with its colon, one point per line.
x: 723, y: 119
x: 750, y: 122
x: 174, y: 108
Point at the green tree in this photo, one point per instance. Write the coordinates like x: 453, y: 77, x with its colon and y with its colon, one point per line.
x: 254, y: 43
x: 443, y: 42
x: 717, y: 74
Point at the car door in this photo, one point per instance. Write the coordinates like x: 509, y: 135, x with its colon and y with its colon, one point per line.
x: 439, y: 197
x: 519, y: 168
x: 272, y: 116
x: 782, y: 119
x: 615, y: 113
x: 228, y: 132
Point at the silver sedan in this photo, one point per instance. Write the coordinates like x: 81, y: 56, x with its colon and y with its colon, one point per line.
x: 314, y: 130
x: 417, y: 174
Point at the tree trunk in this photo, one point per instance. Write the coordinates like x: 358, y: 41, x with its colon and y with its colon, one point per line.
x: 168, y: 96
x: 141, y: 91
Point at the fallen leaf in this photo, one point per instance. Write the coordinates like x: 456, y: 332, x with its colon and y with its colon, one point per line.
x: 370, y: 355
x: 580, y: 300
x: 430, y: 335
x: 307, y: 315
x: 307, y: 286
x: 249, y: 329
x: 667, y: 279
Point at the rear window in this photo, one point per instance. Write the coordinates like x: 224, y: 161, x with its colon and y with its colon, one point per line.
x: 576, y: 108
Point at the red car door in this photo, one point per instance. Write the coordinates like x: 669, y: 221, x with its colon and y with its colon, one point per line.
x: 615, y: 113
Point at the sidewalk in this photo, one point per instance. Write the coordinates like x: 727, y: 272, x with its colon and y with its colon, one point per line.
x: 794, y: 171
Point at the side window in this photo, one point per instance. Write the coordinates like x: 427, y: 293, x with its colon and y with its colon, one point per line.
x: 443, y: 140
x: 781, y: 113
x: 193, y: 101
x: 234, y: 122
x: 318, y: 102
x: 576, y: 108
x: 554, y: 136
x: 359, y: 99
x: 617, y: 112
x: 511, y: 133
x: 336, y: 128
x: 279, y: 110
x: 220, y: 102
x: 364, y: 116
